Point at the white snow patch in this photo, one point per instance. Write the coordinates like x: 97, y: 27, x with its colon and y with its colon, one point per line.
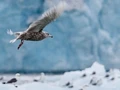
x: 93, y: 78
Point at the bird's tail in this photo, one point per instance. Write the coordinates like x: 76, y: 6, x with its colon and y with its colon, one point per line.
x: 16, y: 34
x: 13, y: 40
x: 10, y: 32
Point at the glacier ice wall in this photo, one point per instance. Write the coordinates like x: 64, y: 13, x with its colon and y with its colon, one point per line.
x: 87, y: 31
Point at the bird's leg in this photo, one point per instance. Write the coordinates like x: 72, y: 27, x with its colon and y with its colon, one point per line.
x: 22, y: 41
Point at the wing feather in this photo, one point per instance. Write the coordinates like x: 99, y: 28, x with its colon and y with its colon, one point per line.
x: 46, y: 18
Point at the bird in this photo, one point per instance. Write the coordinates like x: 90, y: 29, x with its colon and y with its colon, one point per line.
x: 41, y: 78
x: 35, y: 30
x: 13, y: 80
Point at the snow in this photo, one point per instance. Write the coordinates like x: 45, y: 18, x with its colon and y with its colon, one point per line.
x: 73, y: 80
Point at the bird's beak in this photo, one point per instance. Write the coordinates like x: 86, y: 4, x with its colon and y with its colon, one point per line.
x: 51, y: 36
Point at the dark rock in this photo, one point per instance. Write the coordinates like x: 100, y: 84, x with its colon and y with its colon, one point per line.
x: 67, y: 84
x: 94, y: 73
x: 94, y: 84
x: 71, y: 86
x: 84, y: 75
x: 35, y: 80
x: 91, y: 81
x: 16, y: 86
x: 107, y: 75
x: 13, y: 80
x: 81, y: 89
x: 108, y: 70
x: 3, y: 82
x: 112, y: 78
x: 1, y: 78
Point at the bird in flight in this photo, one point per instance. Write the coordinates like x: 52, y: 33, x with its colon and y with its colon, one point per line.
x: 35, y: 31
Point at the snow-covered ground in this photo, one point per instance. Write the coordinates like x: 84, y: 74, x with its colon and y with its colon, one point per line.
x: 93, y: 78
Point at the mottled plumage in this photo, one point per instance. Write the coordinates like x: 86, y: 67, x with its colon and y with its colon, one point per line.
x: 34, y: 36
x: 35, y: 30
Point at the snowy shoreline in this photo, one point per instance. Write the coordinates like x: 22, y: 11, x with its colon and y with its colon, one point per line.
x: 93, y: 78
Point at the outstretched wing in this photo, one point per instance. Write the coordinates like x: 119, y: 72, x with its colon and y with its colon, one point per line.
x: 46, y: 18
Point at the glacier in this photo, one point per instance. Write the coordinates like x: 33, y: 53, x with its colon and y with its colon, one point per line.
x: 86, y: 32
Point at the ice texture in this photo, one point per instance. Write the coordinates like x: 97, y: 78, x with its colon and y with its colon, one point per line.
x: 86, y: 32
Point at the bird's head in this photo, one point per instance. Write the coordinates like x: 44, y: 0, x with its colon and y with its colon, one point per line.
x: 17, y: 75
x: 48, y: 35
